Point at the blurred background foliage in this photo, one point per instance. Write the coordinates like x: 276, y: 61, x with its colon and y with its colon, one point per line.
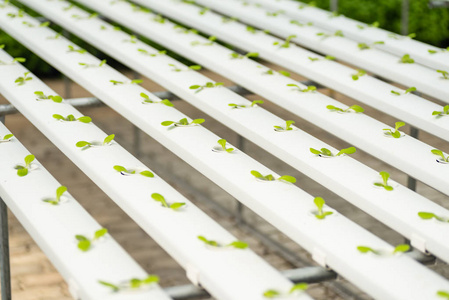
x: 430, y: 26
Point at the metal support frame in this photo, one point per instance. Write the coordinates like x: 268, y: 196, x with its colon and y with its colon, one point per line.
x: 405, y: 16
x: 334, y: 5
x: 438, y: 3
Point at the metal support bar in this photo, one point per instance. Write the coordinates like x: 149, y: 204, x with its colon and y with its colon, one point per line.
x: 405, y: 17
x: 137, y: 131
x: 411, y: 182
x: 438, y: 4
x: 334, y: 5
x: 4, y: 252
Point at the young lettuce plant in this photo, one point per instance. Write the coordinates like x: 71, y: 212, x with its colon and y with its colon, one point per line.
x: 125, y: 171
x: 159, y: 198
x: 6, y: 138
x: 22, y: 170
x: 444, y: 112
x: 235, y: 244
x: 444, y: 74
x: 235, y: 55
x: 359, y: 74
x: 297, y: 23
x: 145, y: 52
x: 364, y: 46
x: 86, y: 65
x: 253, y: 104
x: 134, y: 81
x: 23, y: 79
x: 429, y: 216
x: 203, y: 10
x: 80, y: 50
x: 85, y: 243
x: 431, y: 51
x: 177, y: 69
x: 385, y: 176
x: 288, y: 126
x: 398, y: 249
x: 132, y: 284
x: 296, y: 289
x: 16, y: 59
x: 71, y: 118
x: 146, y: 100
x: 227, y: 20
x: 443, y: 294
x: 106, y: 142
x: 275, y: 13
x: 208, y: 85
x: 132, y: 39
x: 327, y: 57
x: 441, y: 155
x: 395, y: 134
x: 409, y: 90
x: 327, y: 153
x: 406, y: 59
x: 222, y: 147
x: 183, y: 122
x: 59, y: 192
x: 211, y: 41
x: 309, y: 89
x: 321, y: 214
x: 324, y: 35
x: 286, y: 43
x: 269, y: 177
x: 41, y: 96
x: 355, y: 108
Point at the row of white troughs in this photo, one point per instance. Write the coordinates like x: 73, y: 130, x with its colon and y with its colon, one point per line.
x: 96, y: 267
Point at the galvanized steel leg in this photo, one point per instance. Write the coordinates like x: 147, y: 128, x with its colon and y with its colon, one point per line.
x: 239, y: 209
x: 137, y: 135
x: 334, y: 5
x: 405, y: 17
x: 411, y: 182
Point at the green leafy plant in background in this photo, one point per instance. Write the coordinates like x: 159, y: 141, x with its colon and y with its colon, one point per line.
x: 364, y: 46
x: 321, y: 214
x: 429, y: 216
x: 296, y: 289
x: 71, y: 118
x: 286, y: 43
x: 145, y: 52
x: 7, y: 137
x: 235, y: 55
x: 22, y: 170
x: 59, y: 192
x: 159, y: 198
x: 385, y: 176
x: 106, y: 142
x: 79, y: 50
x: 288, y: 126
x: 222, y: 143
x: 327, y: 153
x: 394, y: 133
x: 84, y: 243
x: 354, y: 108
x: 134, y: 81
x: 124, y: 170
x: 324, y: 35
x: 253, y: 104
x: 146, y: 99
x: 398, y: 249
x: 406, y: 59
x: 183, y: 122
x: 407, y: 91
x: 16, y: 59
x: 359, y: 74
x: 444, y: 74
x: 440, y: 154
x: 132, y: 284
x: 211, y: 41
x: 443, y: 294
x: 86, y: 65
x: 23, y: 79
x: 208, y: 85
x: 269, y: 177
x: 41, y: 96
x: 309, y: 89
x: 192, y: 67
x: 235, y: 244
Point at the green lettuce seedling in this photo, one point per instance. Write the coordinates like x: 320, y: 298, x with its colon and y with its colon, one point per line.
x: 59, y: 192
x: 429, y: 216
x: 272, y: 72
x: 270, y: 177
x: 297, y: 23
x: 159, y: 198
x: 296, y: 289
x: 203, y: 10
x: 183, y: 122
x: 54, y: 37
x: 327, y: 153
x: 177, y: 69
x: 409, y: 90
x: 85, y: 65
x: 401, y: 37
x: 146, y: 99
x: 145, y: 52
x: 431, y: 51
x: 396, y: 134
x: 229, y: 19
x: 132, y: 39
x: 211, y: 39
x: 85, y: 243
x: 134, y: 81
x: 80, y: 50
x: 327, y: 57
x: 359, y: 74
x: 288, y: 126
x: 131, y: 284
x: 159, y: 19
x: 107, y: 141
x: 385, y: 176
x: 355, y: 108
x: 253, y: 104
x: 235, y: 55
x: 23, y: 79
x: 364, y: 46
x: 324, y: 35
x: 122, y: 170
x: 4, y: 4
x: 286, y: 43
x: 398, y: 249
x: 91, y: 16
x: 22, y: 170
x: 440, y: 154
x: 183, y: 30
x: 321, y: 214
x: 16, y: 59
x: 222, y: 143
x: 406, y: 59
x: 309, y: 89
x: 275, y: 13
x: 208, y: 85
x: 235, y: 244
x: 71, y: 118
x: 20, y: 14
x: 41, y: 96
x: 445, y: 74
x: 443, y: 294
x: 7, y: 137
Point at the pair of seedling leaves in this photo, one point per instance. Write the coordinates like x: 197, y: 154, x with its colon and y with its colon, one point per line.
x: 359, y: 74
x: 269, y: 177
x: 235, y: 55
x: 41, y: 96
x: 288, y: 126
x: 324, y: 152
x: 7, y: 137
x: 146, y: 99
x: 385, y: 176
x: 398, y: 249
x: 429, y: 216
x: 327, y: 57
x: 364, y: 46
x: 409, y: 90
x: 445, y: 74
x: 59, y: 192
x: 16, y: 59
x: 444, y: 112
x: 107, y: 141
x: 132, y: 284
x: 253, y: 104
x: 211, y: 41
x: 23, y: 79
x: 309, y: 89
x: 22, y: 170
x: 440, y: 154
x: 320, y: 213
x: 177, y: 69
x: 222, y: 143
x: 84, y: 243
x: 208, y: 85
x: 355, y: 108
x: 286, y: 43
x: 297, y: 288
x: 86, y: 65
x: 394, y: 133
x: 183, y: 122
x: 134, y: 81
x: 406, y: 59
x: 338, y: 33
x: 234, y: 244
x: 145, y: 52
x: 159, y: 198
x: 124, y: 171
x: 71, y: 118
